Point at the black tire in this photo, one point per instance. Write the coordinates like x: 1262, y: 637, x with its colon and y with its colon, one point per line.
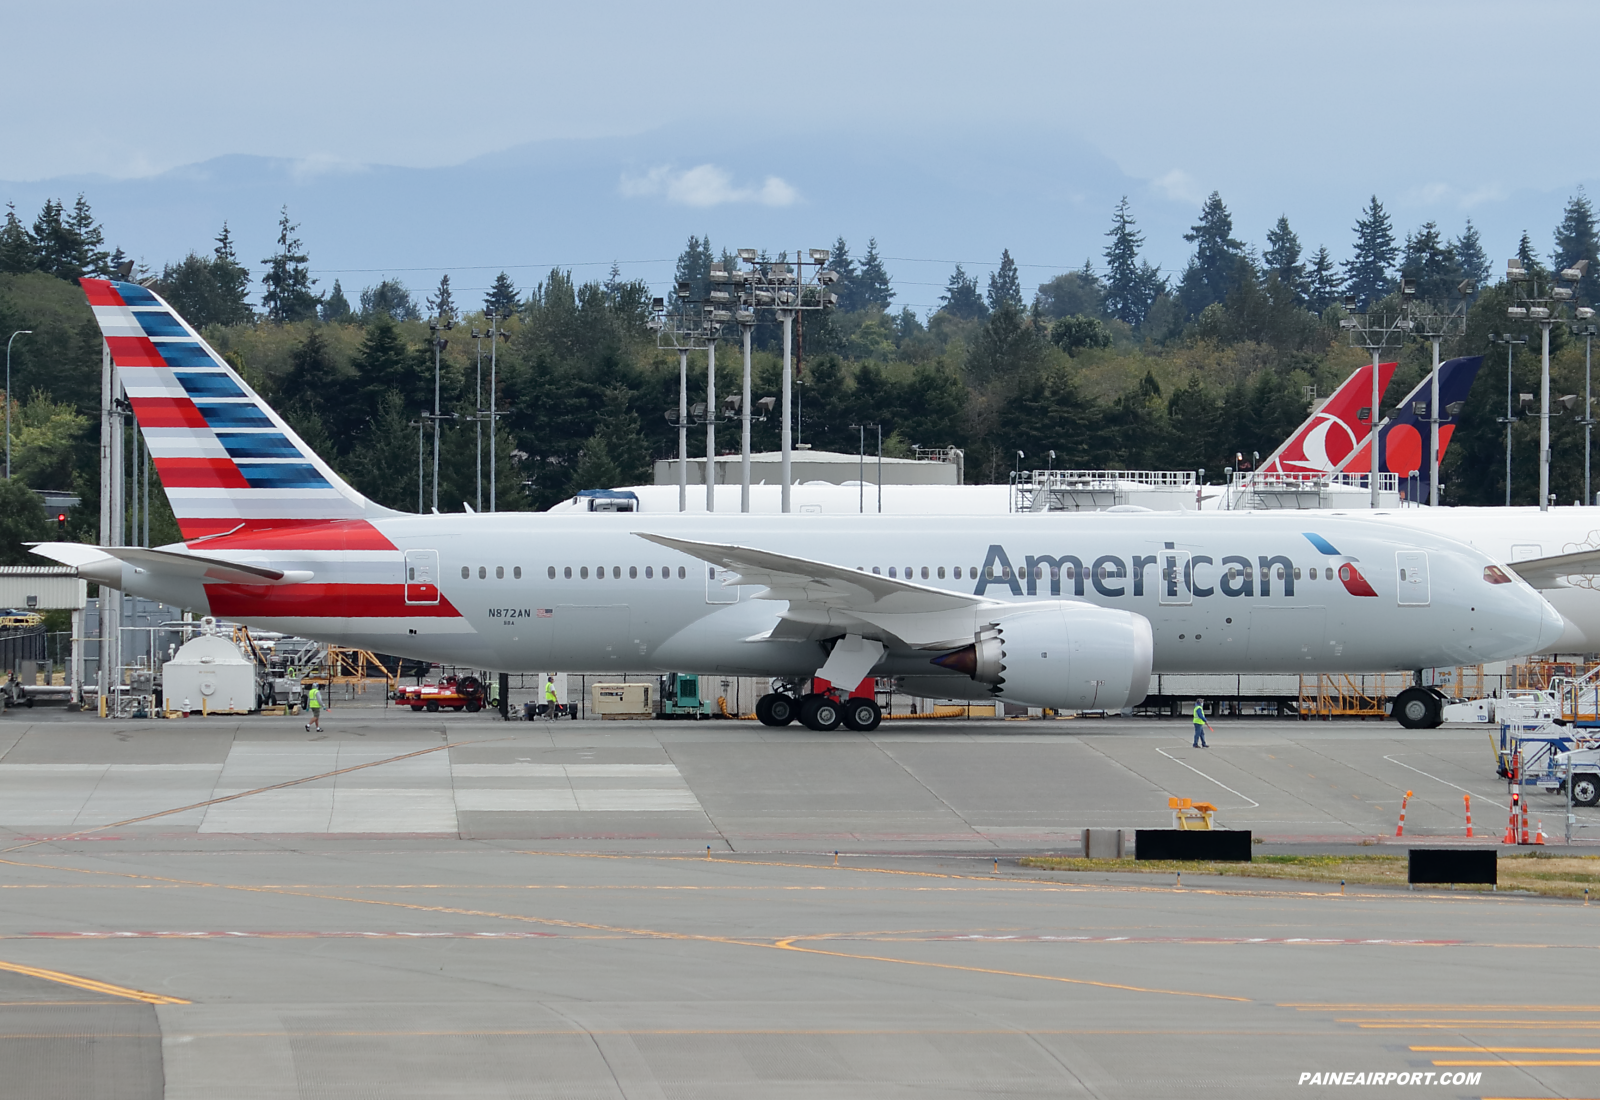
x: 416, y: 706
x: 821, y: 713
x: 473, y: 706
x: 432, y: 707
x: 781, y: 709
x: 1585, y: 789
x: 862, y: 715
x: 764, y: 710
x: 1418, y: 709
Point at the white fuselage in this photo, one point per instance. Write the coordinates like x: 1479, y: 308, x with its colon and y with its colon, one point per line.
x: 583, y: 592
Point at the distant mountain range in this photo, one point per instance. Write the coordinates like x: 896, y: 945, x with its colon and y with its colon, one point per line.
x: 582, y: 204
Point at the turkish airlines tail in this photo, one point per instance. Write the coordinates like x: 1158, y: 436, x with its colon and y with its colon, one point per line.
x: 1402, y: 438
x: 231, y: 467
x: 1335, y: 430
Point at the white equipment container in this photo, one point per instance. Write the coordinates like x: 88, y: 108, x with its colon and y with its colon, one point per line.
x: 212, y: 675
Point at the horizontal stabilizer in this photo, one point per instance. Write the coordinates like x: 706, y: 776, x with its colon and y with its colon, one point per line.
x: 92, y: 562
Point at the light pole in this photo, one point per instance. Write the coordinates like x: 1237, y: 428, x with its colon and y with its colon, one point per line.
x: 785, y: 289
x: 747, y: 324
x: 477, y: 417
x: 1542, y: 308
x: 1511, y: 342
x: 1375, y: 332
x: 495, y: 317
x: 1588, y: 332
x: 418, y: 424
x: 1435, y: 322
x: 14, y: 335
x: 686, y: 328
x: 439, y: 344
x: 861, y: 468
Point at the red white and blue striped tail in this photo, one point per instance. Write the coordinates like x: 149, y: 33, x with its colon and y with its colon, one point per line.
x: 228, y: 463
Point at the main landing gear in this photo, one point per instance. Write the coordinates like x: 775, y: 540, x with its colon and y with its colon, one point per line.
x: 820, y: 712
x: 1419, y: 708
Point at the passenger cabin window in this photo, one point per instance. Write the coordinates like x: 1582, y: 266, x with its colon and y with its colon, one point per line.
x: 616, y: 572
x: 465, y: 572
x: 958, y: 572
x: 482, y: 573
x: 567, y: 571
x: 941, y: 572
x: 891, y: 570
x: 583, y: 572
x: 499, y: 572
x: 925, y: 572
x: 682, y: 573
x: 516, y: 574
x: 649, y: 572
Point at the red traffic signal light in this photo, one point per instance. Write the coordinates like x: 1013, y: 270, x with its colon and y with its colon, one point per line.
x: 61, y: 523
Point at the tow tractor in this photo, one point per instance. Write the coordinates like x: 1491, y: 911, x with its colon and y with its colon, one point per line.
x: 1584, y: 763
x: 452, y: 693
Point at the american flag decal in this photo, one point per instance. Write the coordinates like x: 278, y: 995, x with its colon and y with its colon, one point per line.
x: 546, y: 612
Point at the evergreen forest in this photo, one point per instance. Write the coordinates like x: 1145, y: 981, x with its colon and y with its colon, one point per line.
x: 1114, y: 365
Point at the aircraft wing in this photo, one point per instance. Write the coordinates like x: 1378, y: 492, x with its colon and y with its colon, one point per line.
x: 167, y: 563
x: 1548, y: 572
x: 826, y: 599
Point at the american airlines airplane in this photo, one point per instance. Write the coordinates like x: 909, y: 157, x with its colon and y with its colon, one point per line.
x: 1058, y: 610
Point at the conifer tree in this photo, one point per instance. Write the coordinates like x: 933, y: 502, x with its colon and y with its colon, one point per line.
x: 1575, y: 240
x: 1005, y: 288
x: 1431, y: 262
x: 87, y: 237
x: 1471, y: 257
x: 441, y: 304
x: 1129, y: 285
x: 1525, y: 253
x: 1323, y: 281
x: 848, y: 285
x: 961, y: 298
x: 502, y: 296
x: 873, y: 279
x: 286, y: 287
x: 1282, y: 258
x: 694, y: 267
x: 1368, y: 272
x: 233, y: 281
x: 52, y: 244
x: 336, y: 307
x: 18, y: 251
x: 1215, y: 269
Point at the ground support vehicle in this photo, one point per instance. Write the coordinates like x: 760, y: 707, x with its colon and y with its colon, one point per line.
x: 452, y: 693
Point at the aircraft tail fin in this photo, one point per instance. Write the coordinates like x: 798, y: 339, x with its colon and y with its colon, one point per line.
x: 1333, y: 430
x: 229, y: 464
x: 1403, y: 438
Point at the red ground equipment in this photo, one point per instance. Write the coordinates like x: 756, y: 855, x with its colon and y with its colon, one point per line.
x: 452, y: 693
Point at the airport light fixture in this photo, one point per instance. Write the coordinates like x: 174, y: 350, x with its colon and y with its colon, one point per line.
x: 496, y: 334
x: 1588, y: 330
x: 788, y: 290
x: 684, y: 328
x: 1435, y: 321
x: 1544, y: 298
x: 1511, y: 342
x: 439, y: 344
x: 14, y: 335
x: 477, y: 419
x: 1376, y: 330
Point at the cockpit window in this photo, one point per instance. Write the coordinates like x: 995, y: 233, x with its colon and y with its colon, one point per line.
x: 1495, y: 575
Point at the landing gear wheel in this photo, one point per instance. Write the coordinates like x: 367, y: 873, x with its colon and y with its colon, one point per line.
x: 821, y: 713
x: 777, y: 709
x: 862, y: 715
x: 1585, y: 789
x: 1418, y: 709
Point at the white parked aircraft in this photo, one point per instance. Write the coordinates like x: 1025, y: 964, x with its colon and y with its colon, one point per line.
x: 1059, y: 610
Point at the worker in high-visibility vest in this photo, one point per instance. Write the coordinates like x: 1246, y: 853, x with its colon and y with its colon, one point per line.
x: 1200, y: 725
x: 550, y: 703
x: 314, y: 706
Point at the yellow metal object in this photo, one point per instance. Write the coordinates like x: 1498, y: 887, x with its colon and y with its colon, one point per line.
x: 1191, y: 816
x: 1347, y: 696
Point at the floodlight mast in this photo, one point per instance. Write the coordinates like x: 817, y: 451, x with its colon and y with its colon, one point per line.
x: 787, y: 290
x: 1375, y: 332
x: 1436, y: 321
x: 1545, y: 302
x: 683, y: 329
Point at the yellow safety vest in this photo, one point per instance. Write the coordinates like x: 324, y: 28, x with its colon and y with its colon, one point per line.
x: 314, y: 698
x: 549, y: 691
x: 1199, y: 715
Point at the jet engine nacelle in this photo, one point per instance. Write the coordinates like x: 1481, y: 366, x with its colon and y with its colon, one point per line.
x: 1069, y: 656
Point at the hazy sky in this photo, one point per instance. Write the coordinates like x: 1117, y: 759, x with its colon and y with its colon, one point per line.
x: 1446, y: 110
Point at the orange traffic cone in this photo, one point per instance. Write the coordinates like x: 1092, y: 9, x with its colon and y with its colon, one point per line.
x: 1538, y: 838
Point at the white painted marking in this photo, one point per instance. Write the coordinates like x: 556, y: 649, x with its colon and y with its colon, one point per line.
x: 1203, y: 775
x: 562, y: 771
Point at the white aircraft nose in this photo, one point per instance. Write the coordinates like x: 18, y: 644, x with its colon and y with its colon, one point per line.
x: 1551, y: 626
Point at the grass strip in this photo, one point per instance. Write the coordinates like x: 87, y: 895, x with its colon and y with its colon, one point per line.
x: 1540, y: 872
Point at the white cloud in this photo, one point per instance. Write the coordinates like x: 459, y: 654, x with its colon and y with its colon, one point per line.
x: 1442, y: 194
x: 705, y: 185
x: 1179, y: 186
